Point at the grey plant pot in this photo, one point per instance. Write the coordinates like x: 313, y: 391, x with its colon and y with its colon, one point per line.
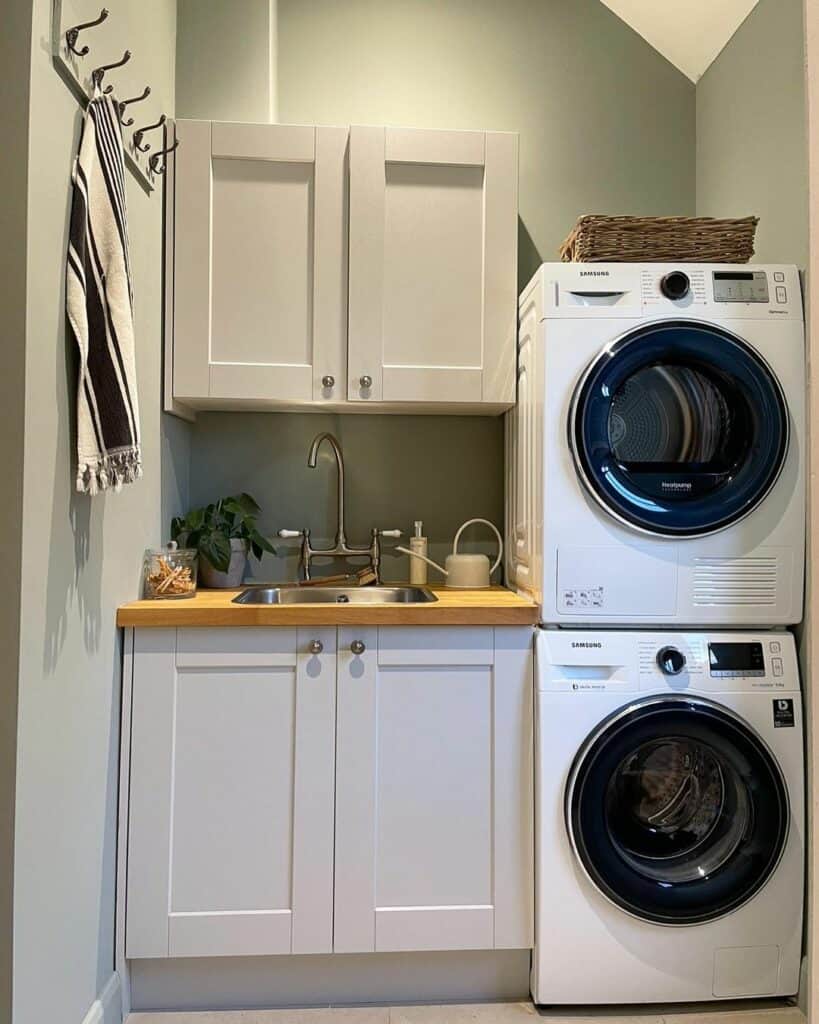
x: 210, y: 577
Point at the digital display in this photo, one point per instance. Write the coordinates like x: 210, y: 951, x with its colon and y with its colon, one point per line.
x: 740, y: 286
x: 736, y: 659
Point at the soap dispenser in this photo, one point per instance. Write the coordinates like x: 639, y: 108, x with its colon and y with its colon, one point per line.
x: 418, y: 546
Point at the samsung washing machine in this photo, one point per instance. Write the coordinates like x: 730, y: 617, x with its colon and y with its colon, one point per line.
x: 655, y: 457
x: 669, y: 817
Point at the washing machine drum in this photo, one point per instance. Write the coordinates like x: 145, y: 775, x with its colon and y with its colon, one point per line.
x: 679, y: 429
x: 677, y: 810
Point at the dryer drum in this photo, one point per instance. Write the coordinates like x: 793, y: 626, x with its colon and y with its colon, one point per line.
x: 677, y: 810
x: 679, y: 429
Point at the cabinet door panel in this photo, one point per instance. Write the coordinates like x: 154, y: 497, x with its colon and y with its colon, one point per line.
x: 239, y: 753
x: 433, y: 244
x: 260, y: 302
x: 421, y: 791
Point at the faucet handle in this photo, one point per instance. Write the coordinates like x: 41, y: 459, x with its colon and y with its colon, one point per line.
x: 390, y: 533
x: 287, y: 534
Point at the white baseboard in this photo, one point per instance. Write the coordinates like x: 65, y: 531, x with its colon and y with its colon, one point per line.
x: 107, y: 1007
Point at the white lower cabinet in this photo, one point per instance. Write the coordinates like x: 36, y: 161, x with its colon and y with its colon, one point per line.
x: 373, y: 795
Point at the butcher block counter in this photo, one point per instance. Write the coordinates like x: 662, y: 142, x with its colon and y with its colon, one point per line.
x: 495, y: 606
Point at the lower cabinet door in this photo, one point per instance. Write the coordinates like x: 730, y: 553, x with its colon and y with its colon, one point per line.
x: 230, y: 848
x: 434, y: 775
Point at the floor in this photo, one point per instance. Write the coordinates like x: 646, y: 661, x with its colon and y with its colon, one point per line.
x: 479, y: 1013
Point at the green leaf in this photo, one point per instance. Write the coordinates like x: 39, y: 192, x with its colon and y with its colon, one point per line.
x: 216, y: 548
x: 248, y: 503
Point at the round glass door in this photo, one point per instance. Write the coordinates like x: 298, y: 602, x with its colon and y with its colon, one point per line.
x: 677, y: 810
x: 679, y: 429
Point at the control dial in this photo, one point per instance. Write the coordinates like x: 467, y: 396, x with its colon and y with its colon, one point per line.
x: 675, y: 285
x: 671, y: 661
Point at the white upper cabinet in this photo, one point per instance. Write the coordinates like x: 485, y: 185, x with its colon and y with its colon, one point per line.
x: 327, y: 265
x: 433, y: 266
x: 260, y: 277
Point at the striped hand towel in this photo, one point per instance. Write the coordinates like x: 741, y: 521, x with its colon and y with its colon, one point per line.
x: 99, y: 303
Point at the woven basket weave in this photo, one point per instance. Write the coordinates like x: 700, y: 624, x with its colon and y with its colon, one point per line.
x: 596, y: 238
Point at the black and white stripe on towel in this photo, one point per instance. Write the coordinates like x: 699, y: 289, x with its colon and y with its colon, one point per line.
x: 99, y: 303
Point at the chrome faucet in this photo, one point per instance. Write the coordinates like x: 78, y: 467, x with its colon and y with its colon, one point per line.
x: 340, y: 549
x: 341, y: 534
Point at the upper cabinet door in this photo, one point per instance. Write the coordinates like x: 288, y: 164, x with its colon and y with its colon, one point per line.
x: 260, y: 268
x: 433, y: 266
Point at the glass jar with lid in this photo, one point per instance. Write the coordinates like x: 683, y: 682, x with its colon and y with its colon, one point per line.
x: 169, y: 573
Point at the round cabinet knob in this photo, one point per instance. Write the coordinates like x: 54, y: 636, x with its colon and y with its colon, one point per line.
x: 358, y: 647
x: 316, y: 647
x: 328, y: 381
x: 671, y: 661
x: 366, y: 381
x: 675, y: 285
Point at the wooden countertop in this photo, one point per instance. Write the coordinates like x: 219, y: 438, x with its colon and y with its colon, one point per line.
x: 493, y: 607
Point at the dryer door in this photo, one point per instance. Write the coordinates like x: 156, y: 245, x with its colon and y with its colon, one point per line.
x: 679, y: 429
x: 677, y: 810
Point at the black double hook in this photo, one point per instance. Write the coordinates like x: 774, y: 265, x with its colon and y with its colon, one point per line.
x: 98, y: 74
x: 138, y: 134
x: 146, y: 92
x: 73, y: 33
x: 158, y: 161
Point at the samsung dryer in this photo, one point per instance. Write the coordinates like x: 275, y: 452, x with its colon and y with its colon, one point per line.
x: 655, y: 458
x: 669, y: 817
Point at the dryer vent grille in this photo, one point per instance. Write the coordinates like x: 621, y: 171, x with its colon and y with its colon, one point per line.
x: 749, y: 582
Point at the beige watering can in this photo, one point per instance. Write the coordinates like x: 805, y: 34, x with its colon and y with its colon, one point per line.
x: 465, y: 572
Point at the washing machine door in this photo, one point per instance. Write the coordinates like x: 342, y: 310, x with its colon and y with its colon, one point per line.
x: 677, y: 810
x: 679, y: 429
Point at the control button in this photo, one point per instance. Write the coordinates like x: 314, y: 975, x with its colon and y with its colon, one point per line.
x: 779, y: 276
x: 781, y: 293
x: 775, y: 647
x: 675, y: 285
x: 671, y: 661
x: 778, y: 668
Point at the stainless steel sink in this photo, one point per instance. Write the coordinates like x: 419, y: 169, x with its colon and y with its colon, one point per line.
x: 335, y: 595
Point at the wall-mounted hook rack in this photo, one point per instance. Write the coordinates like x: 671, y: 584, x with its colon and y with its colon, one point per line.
x: 158, y: 161
x: 82, y: 77
x: 146, y: 92
x: 140, y: 132
x: 98, y: 74
x: 72, y: 34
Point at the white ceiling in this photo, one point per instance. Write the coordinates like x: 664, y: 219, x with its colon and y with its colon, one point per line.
x: 689, y: 33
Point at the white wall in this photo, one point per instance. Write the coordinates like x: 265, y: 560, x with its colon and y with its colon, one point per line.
x: 81, y: 557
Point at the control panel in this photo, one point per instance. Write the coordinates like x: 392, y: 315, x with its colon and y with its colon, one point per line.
x: 736, y: 660
x: 627, y: 661
x: 741, y: 286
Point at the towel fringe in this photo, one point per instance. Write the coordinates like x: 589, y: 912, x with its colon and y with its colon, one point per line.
x: 109, y: 471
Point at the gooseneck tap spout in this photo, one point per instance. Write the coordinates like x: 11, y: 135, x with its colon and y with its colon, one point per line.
x: 340, y: 549
x: 341, y: 533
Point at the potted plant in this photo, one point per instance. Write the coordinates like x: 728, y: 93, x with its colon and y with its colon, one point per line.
x: 223, y: 533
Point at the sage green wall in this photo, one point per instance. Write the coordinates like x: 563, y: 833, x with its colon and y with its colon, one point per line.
x: 441, y: 469
x: 752, y: 134
x: 605, y: 124
x: 81, y: 556
x: 15, y: 56
x: 226, y: 60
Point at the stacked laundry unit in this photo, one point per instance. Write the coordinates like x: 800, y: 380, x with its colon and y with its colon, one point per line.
x: 656, y: 511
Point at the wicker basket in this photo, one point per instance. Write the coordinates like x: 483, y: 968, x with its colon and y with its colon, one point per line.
x: 596, y: 238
